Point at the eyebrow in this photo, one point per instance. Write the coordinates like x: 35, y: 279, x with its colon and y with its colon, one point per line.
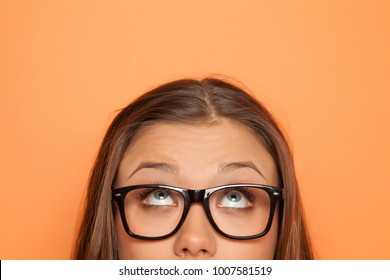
x: 226, y: 166
x: 173, y: 169
x: 162, y: 166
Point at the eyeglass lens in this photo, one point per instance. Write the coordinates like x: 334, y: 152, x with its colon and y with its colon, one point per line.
x: 238, y: 211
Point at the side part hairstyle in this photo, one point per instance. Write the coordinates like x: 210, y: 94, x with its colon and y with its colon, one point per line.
x: 188, y: 101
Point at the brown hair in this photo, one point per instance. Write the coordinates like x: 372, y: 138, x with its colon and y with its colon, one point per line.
x: 188, y: 101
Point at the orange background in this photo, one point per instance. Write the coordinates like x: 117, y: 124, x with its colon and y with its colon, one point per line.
x: 321, y: 66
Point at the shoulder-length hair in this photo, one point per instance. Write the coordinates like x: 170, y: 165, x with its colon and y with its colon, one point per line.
x: 189, y: 101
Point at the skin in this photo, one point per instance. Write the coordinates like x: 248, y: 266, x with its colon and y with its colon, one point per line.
x: 196, y: 151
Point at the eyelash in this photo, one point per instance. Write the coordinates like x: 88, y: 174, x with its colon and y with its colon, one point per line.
x: 142, y: 195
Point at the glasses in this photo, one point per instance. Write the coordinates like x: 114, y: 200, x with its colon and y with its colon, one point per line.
x: 238, y: 211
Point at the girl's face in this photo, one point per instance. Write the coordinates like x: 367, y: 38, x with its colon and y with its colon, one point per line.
x: 195, y: 154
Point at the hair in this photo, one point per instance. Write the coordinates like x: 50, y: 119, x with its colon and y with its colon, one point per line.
x: 189, y: 101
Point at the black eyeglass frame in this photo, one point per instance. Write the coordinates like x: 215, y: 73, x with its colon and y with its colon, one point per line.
x: 201, y: 196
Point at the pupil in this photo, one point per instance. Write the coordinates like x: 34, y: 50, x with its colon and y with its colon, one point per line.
x: 160, y: 195
x: 234, y: 197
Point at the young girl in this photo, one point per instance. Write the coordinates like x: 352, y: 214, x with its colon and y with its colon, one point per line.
x: 193, y: 170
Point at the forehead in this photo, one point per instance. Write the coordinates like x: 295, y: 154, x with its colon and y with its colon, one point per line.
x: 199, y: 148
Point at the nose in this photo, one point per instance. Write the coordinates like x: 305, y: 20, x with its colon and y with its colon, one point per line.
x: 196, y: 239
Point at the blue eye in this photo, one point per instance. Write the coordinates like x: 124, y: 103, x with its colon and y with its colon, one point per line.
x: 160, y: 198
x: 234, y: 199
x: 160, y: 195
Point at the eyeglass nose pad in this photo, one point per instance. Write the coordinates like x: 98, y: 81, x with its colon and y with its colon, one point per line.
x: 196, y: 195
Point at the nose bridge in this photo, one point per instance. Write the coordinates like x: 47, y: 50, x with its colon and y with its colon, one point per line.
x: 197, y: 197
x: 196, y: 237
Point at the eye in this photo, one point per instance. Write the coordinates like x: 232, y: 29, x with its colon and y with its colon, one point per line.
x: 160, y: 198
x: 234, y: 199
